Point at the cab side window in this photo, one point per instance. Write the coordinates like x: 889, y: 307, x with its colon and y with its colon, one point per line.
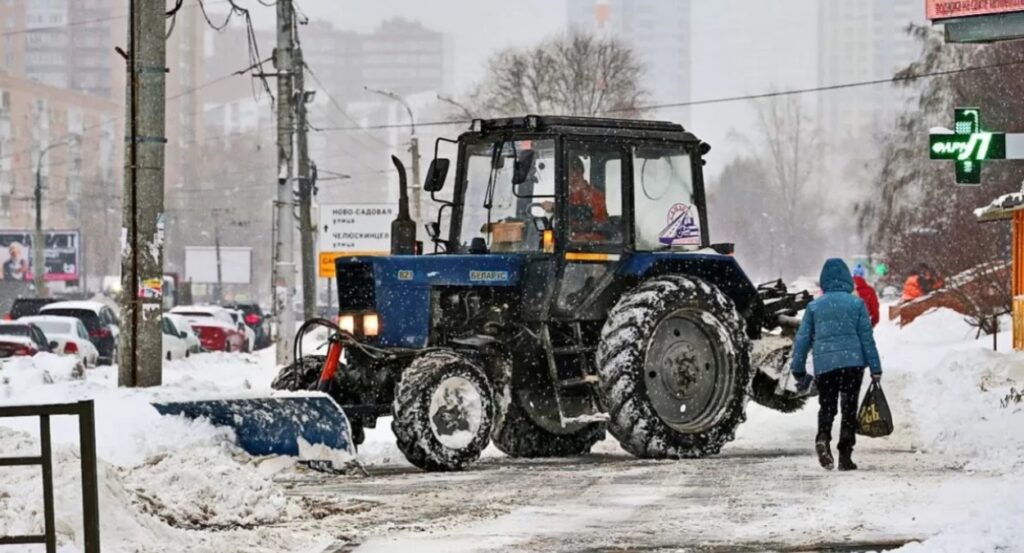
x: 594, y: 207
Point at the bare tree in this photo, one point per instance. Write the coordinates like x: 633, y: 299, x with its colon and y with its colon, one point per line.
x: 572, y: 74
x: 917, y: 214
x: 787, y: 145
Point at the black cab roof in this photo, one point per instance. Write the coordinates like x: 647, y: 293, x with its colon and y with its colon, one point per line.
x: 558, y: 124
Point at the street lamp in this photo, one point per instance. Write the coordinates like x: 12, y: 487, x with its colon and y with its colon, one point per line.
x: 414, y: 147
x: 38, y: 240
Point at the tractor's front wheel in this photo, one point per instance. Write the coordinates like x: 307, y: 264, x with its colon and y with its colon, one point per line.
x: 674, y: 368
x: 443, y: 412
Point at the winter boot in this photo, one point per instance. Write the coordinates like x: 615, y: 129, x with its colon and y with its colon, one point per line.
x: 824, y: 454
x: 845, y: 462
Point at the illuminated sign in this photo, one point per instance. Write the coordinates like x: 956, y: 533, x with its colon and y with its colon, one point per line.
x: 968, y: 145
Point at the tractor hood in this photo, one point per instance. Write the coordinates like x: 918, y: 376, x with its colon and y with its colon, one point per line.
x: 397, y: 288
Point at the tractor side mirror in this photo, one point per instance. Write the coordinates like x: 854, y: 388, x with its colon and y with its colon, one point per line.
x: 433, y: 230
x: 436, y: 174
x: 524, y: 162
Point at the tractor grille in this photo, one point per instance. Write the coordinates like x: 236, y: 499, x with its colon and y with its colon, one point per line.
x: 355, y: 286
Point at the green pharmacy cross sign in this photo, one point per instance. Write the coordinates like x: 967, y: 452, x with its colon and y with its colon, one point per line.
x: 968, y: 145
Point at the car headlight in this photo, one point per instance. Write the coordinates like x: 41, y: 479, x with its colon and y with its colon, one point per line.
x: 371, y: 324
x: 347, y: 323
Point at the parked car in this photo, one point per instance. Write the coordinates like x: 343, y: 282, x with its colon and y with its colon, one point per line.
x: 250, y: 334
x: 174, y: 341
x: 22, y: 339
x: 253, y: 316
x: 23, y: 307
x: 217, y: 330
x: 99, y: 320
x: 66, y: 335
x: 182, y: 325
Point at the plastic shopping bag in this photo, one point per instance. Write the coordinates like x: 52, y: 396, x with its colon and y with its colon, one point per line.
x: 874, y: 419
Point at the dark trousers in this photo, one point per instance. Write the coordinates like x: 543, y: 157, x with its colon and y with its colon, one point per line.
x: 842, y: 387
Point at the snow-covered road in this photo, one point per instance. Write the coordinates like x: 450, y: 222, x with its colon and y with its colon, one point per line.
x: 746, y: 499
x: 950, y: 475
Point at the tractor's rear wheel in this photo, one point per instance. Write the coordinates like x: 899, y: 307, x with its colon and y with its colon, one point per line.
x: 674, y: 368
x: 443, y: 412
x: 515, y: 434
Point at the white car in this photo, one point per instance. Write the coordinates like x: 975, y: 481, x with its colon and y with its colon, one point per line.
x: 250, y: 334
x: 175, y: 343
x: 70, y: 336
x: 181, y: 324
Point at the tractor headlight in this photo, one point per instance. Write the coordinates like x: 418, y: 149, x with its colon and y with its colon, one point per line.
x: 371, y: 324
x: 347, y: 323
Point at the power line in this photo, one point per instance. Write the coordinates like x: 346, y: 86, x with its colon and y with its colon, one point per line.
x: 120, y: 118
x: 340, y: 108
x: 722, y: 100
x: 82, y: 22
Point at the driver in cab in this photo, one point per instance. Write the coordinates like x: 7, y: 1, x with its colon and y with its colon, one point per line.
x: 587, y: 206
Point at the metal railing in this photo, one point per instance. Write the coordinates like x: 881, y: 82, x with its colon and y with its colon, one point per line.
x: 90, y: 490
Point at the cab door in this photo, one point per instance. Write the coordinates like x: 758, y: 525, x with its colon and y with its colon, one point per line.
x: 591, y: 226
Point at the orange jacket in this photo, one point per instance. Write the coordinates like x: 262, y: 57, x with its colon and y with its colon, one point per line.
x: 912, y: 288
x: 582, y: 194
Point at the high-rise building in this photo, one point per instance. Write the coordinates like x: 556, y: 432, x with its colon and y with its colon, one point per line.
x: 658, y: 31
x: 404, y: 57
x: 862, y: 41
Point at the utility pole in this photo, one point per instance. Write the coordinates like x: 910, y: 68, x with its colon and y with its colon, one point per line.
x: 306, y: 227
x: 284, y: 266
x: 142, y: 253
x: 414, y: 150
x: 219, y: 292
x: 39, y: 238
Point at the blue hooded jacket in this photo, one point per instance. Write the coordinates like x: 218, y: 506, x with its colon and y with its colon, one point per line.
x: 837, y: 326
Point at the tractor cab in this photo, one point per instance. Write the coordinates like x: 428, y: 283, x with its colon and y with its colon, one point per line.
x: 578, y: 178
x: 574, y: 196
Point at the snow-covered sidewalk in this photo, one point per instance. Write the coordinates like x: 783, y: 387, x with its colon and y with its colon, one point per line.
x: 949, y: 473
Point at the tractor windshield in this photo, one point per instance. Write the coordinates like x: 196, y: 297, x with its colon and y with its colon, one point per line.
x: 495, y: 208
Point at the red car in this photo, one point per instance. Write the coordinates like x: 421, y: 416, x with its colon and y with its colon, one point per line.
x: 216, y: 329
x: 21, y: 339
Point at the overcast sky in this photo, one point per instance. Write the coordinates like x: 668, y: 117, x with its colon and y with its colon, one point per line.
x: 739, y: 46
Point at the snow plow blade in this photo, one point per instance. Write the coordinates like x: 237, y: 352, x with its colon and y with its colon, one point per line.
x: 273, y: 425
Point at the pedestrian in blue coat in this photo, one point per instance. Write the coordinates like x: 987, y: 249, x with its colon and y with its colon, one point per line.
x: 837, y: 328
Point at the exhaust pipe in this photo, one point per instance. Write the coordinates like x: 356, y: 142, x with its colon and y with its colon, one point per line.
x: 403, y: 228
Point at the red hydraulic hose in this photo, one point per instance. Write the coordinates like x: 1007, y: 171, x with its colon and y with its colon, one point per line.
x: 334, y: 351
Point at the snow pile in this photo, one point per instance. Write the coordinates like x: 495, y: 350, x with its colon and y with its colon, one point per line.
x: 208, y: 487
x: 42, y: 368
x: 990, y: 523
x: 947, y: 391
x: 160, y: 477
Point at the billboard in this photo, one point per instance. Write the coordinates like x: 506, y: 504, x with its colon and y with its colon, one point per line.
x: 201, y: 264
x: 353, y: 229
x: 62, y: 255
x: 948, y: 9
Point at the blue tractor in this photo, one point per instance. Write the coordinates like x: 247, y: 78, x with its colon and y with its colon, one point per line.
x: 573, y: 290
